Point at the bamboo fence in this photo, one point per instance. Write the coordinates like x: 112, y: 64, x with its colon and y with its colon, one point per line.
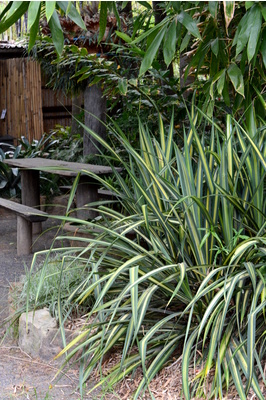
x: 21, y: 97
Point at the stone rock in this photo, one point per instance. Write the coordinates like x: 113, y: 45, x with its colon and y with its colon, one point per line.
x: 39, y: 335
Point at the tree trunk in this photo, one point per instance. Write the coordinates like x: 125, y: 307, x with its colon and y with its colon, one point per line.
x: 77, y: 103
x: 158, y: 12
x: 18, y: 27
x: 25, y: 22
x: 128, y: 10
x: 95, y: 114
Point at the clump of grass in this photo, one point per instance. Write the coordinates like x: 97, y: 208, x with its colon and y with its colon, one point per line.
x: 56, y: 284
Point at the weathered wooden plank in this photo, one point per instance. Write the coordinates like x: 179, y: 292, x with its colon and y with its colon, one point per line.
x: 86, y: 193
x: 28, y: 213
x: 60, y: 167
x: 30, y: 179
x: 24, y: 236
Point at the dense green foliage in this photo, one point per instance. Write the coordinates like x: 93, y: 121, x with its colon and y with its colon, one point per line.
x: 194, y: 276
x: 9, y: 177
x: 213, y: 50
x: 178, y: 269
x: 223, y: 42
x: 36, y: 10
x: 57, y: 277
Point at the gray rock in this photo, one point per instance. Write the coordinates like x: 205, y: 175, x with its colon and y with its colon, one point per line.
x: 39, y: 335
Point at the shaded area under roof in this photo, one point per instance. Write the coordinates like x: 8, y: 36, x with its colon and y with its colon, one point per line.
x: 11, y: 49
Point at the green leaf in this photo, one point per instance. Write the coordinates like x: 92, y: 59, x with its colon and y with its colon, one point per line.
x: 185, y: 42
x: 229, y: 9
x: 57, y: 33
x: 124, y: 36
x: 33, y: 13
x: 116, y: 13
x: 103, y: 20
x: 263, y: 12
x: 72, y: 13
x: 236, y: 78
x: 255, y: 148
x: 145, y: 4
x: 189, y: 23
x: 133, y: 82
x: 254, y: 32
x: 186, y: 362
x: 133, y: 273
x: 14, y: 14
x: 122, y: 86
x: 169, y: 49
x: 151, y: 52
x: 124, y: 4
x: 34, y: 28
x: 149, y: 32
x: 220, y: 83
x: 14, y: 6
x: 225, y: 94
x: 263, y: 48
x: 5, y: 10
x: 68, y: 8
x: 213, y: 8
x: 235, y: 374
x: 242, y: 34
x: 49, y: 9
x: 157, y: 364
x: 248, y: 4
x: 151, y: 37
x: 175, y: 5
x: 215, y: 46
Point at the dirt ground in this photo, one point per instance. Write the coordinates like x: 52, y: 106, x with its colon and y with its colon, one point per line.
x: 22, y: 377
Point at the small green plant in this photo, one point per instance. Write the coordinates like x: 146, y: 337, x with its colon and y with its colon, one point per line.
x: 48, y: 395
x: 59, y: 144
x: 68, y: 147
x: 9, y: 177
x: 54, y: 282
x: 38, y: 148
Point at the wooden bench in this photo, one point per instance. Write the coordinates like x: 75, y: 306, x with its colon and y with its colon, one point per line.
x: 87, y: 188
x: 25, y: 217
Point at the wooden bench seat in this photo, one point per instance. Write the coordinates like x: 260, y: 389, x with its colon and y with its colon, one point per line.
x: 25, y: 217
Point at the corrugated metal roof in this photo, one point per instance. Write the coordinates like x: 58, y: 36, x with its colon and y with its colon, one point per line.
x: 11, y: 45
x: 12, y: 49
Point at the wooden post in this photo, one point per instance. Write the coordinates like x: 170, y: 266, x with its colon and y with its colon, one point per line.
x: 95, y: 112
x: 31, y: 179
x: 24, y: 236
x: 87, y: 192
x: 77, y: 102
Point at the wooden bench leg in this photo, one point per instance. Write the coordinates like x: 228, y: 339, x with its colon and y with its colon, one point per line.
x: 24, y: 236
x: 87, y: 192
x: 30, y: 192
